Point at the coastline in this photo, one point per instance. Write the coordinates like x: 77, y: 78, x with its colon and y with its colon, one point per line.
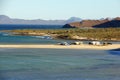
x: 108, y: 47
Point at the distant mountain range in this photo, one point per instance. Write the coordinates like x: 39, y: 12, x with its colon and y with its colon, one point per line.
x: 101, y: 23
x: 7, y: 20
x: 73, y: 22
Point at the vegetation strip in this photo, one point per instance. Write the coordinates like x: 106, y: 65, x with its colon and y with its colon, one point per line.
x: 80, y: 34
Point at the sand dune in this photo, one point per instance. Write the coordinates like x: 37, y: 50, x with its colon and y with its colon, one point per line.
x: 114, y: 46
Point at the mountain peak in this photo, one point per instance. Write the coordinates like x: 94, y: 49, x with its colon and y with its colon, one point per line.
x: 6, y: 20
x: 3, y: 16
x: 74, y: 19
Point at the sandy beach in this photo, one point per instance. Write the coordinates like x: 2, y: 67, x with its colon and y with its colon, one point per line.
x: 114, y: 46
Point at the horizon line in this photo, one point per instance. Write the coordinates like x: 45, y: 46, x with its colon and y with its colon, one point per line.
x: 59, y: 19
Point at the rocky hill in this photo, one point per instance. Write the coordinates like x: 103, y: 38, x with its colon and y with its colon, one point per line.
x: 103, y: 23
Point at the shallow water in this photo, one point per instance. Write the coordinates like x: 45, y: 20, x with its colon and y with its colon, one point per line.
x: 6, y: 38
x: 58, y: 64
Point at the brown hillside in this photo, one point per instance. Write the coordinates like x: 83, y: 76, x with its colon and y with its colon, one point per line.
x: 95, y: 23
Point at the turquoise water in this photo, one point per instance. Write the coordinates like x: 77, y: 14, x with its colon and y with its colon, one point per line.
x: 58, y: 64
x: 6, y: 38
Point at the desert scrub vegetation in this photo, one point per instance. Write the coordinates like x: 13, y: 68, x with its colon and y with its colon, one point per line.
x: 97, y: 33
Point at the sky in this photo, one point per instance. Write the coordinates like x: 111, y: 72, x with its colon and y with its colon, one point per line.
x: 60, y: 9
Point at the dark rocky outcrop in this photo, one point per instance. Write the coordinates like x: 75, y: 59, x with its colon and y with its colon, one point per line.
x: 105, y: 23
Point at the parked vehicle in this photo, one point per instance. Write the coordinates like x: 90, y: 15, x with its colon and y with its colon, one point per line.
x: 95, y: 43
x: 77, y: 43
x: 63, y: 43
x: 107, y: 43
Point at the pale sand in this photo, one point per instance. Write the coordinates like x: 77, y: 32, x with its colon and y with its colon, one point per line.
x: 108, y: 47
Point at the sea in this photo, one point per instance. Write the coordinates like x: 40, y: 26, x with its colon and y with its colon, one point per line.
x: 55, y: 64
x: 13, y: 27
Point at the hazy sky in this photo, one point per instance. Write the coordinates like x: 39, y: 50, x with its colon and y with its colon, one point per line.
x: 60, y: 9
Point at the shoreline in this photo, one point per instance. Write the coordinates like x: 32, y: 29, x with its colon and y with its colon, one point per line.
x: 108, y: 47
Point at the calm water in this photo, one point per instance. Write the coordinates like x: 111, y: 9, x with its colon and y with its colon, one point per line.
x: 12, y: 27
x: 58, y: 64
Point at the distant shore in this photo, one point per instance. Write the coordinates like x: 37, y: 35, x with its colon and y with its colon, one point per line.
x: 108, y: 47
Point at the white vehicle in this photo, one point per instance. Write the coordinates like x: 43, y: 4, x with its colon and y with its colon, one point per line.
x: 95, y: 43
